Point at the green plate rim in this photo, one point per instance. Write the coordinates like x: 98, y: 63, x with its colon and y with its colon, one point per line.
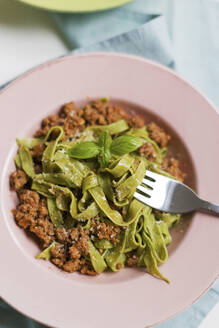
x: 71, y: 9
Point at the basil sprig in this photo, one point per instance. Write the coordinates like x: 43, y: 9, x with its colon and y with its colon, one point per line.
x: 104, y: 143
x: 104, y: 148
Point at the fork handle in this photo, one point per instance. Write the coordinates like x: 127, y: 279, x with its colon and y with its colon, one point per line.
x: 210, y: 207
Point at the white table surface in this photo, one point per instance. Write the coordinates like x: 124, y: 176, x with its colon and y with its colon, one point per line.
x: 28, y: 37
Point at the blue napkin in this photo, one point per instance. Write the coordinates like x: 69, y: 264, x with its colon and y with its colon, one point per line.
x: 150, y: 40
x: 192, y: 25
x: 86, y: 29
x: 179, y: 34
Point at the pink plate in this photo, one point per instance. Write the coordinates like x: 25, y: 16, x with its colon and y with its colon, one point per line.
x: 130, y: 298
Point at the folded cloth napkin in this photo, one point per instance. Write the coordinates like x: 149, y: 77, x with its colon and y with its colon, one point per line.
x: 186, y: 41
x: 149, y: 40
x: 86, y: 29
x: 193, y: 26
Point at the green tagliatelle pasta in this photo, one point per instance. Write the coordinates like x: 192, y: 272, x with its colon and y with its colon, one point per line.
x: 65, y: 199
x: 54, y: 212
x: 46, y: 253
x: 96, y: 258
x: 120, y: 166
x: 47, y: 160
x: 116, y: 256
x: 79, y: 189
x: 114, y: 128
x: 30, y: 142
x: 26, y: 161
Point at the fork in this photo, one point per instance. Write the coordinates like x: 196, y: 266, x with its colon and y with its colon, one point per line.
x: 168, y: 195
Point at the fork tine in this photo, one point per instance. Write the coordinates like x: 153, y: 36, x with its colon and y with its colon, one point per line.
x: 148, y: 183
x: 151, y: 175
x: 141, y: 198
x: 144, y: 190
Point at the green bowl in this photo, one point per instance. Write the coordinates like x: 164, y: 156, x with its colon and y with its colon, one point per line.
x: 76, y: 6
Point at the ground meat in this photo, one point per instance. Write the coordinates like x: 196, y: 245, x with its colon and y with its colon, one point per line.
x: 42, y: 209
x: 136, y: 122
x: 74, y: 252
x: 69, y: 253
x: 76, y: 262
x: 18, y: 179
x: 68, y: 109
x: 44, y: 230
x: 37, y: 153
x: 58, y: 251
x: 47, y: 123
x: 72, y: 266
x: 148, y: 151
x: 43, y: 227
x: 158, y: 134
x: 25, y: 215
x: 87, y: 269
x: 82, y: 243
x: 32, y: 213
x: 74, y: 119
x: 29, y: 197
x: 72, y: 124
x: 115, y: 113
x: 58, y: 254
x: 92, y: 116
x: 58, y: 262
x: 62, y: 235
x: 131, y: 259
x: 47, y: 225
x: 102, y: 113
x: 172, y: 166
x: 74, y: 234
x: 51, y: 121
x: 105, y: 230
x: 77, y: 238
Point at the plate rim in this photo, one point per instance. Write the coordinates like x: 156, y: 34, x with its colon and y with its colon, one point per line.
x: 70, y: 56
x: 133, y: 57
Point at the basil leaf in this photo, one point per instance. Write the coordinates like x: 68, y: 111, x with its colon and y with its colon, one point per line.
x: 104, y: 143
x: 125, y: 144
x: 83, y: 150
x: 104, y: 140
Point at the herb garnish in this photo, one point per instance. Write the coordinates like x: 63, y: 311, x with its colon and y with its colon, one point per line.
x: 105, y: 147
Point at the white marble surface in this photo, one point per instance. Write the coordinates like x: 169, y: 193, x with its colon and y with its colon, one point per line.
x: 212, y: 319
x: 28, y: 37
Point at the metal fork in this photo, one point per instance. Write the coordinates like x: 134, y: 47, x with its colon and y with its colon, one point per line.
x: 168, y: 195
